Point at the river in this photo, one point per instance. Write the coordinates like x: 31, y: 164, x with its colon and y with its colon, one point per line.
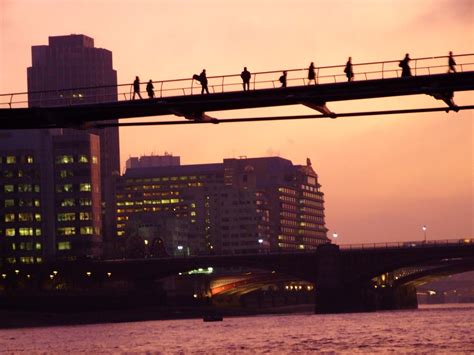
x: 443, y: 329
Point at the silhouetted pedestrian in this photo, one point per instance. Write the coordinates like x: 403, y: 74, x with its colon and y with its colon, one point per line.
x: 311, y: 74
x: 283, y: 80
x: 404, y: 64
x: 136, y: 88
x: 451, y: 63
x: 245, y: 75
x: 348, y: 70
x: 149, y: 89
x: 203, y: 80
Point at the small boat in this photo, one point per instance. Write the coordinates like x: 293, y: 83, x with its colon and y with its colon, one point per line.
x: 212, y: 318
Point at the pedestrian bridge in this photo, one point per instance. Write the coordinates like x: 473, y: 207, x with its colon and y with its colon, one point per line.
x: 90, y: 107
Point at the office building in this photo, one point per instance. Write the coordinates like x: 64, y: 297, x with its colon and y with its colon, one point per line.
x: 69, y: 71
x: 239, y: 206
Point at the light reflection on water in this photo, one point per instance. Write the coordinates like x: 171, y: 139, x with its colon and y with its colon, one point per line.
x: 443, y: 329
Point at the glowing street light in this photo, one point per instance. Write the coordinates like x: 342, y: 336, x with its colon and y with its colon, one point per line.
x: 424, y: 232
x: 180, y: 247
x: 260, y: 241
x: 335, y: 235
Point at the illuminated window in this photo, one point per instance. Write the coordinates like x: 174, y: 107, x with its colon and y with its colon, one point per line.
x: 65, y: 173
x: 66, y: 217
x: 120, y: 233
x: 25, y: 232
x: 9, y: 203
x: 64, y: 159
x: 9, y: 217
x: 85, y: 216
x: 85, y: 202
x: 29, y: 159
x: 25, y: 188
x: 38, y: 232
x: 36, y: 188
x: 64, y: 188
x: 27, y: 260
x: 87, y: 230
x: 68, y: 202
x: 10, y: 232
x: 83, y: 159
x: 36, y: 203
x: 67, y: 231
x: 85, y: 187
x: 38, y: 217
x: 38, y: 246
x: 25, y: 217
x: 94, y: 159
x: 64, y: 246
x: 9, y: 188
x: 11, y: 159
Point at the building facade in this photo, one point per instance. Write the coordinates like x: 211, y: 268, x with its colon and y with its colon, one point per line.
x: 50, y: 203
x: 71, y: 71
x: 239, y: 206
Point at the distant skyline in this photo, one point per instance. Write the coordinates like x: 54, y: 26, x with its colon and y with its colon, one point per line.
x: 383, y: 177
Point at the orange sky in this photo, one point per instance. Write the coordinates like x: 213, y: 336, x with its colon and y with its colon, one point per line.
x: 384, y: 177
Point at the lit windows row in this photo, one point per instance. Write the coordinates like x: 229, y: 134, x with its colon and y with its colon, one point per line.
x: 66, y: 231
x: 23, y: 232
x: 70, y: 159
x: 13, y: 159
x: 71, y: 202
x: 165, y: 178
x: 25, y: 260
x: 287, y: 191
x: 22, y: 217
x: 84, y: 187
x: 21, y: 203
x: 71, y: 216
x: 21, y: 173
x: 26, y: 246
x: 21, y: 188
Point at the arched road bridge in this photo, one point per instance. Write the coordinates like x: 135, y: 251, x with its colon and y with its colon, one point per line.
x: 94, y: 107
x: 351, y: 278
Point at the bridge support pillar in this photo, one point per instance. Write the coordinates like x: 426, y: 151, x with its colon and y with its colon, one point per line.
x: 337, y: 293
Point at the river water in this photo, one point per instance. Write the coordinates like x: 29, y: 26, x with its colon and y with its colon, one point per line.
x: 445, y: 329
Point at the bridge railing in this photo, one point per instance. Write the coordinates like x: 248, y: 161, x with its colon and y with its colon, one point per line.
x: 409, y: 244
x: 233, y: 82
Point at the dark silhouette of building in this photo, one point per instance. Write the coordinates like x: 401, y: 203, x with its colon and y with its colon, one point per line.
x: 72, y: 62
x: 236, y: 207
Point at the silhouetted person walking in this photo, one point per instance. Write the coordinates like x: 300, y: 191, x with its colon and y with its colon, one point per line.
x: 245, y: 75
x: 404, y: 64
x: 136, y: 88
x: 311, y: 74
x: 149, y: 89
x: 283, y: 80
x: 203, y: 80
x: 348, y: 70
x: 451, y: 63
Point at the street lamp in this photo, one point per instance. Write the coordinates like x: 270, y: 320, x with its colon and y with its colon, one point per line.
x: 335, y: 235
x: 424, y: 232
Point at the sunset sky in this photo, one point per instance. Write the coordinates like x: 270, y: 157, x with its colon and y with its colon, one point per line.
x: 383, y: 177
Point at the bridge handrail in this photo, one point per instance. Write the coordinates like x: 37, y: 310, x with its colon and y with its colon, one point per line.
x: 163, y: 83
x: 410, y: 244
